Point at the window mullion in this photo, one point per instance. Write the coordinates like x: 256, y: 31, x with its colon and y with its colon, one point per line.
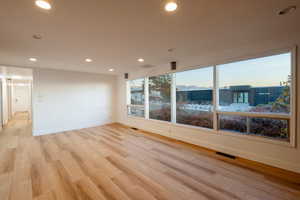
x: 293, y: 92
x: 146, y: 91
x: 215, y: 98
x: 173, y: 98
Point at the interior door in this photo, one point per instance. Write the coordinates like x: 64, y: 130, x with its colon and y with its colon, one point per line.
x: 21, y: 99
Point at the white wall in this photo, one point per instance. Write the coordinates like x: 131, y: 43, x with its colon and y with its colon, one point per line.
x: 273, y: 154
x: 64, y: 100
x: 4, y: 102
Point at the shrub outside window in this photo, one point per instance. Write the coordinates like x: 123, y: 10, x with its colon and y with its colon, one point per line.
x: 160, y: 97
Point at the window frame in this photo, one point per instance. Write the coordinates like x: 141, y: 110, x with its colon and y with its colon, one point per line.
x: 128, y: 98
x: 174, y: 95
x: 171, y: 98
x: 291, y: 117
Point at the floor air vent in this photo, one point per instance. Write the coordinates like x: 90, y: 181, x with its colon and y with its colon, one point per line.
x: 226, y: 155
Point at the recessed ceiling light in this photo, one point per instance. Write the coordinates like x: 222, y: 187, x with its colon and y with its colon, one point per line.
x: 287, y: 10
x: 171, y: 6
x: 33, y: 59
x: 111, y: 70
x: 44, y: 4
x: 37, y: 36
x: 141, y: 60
x: 88, y: 60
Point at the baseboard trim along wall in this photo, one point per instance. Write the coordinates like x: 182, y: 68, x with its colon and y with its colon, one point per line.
x: 238, y: 160
x: 200, y: 138
x: 62, y: 129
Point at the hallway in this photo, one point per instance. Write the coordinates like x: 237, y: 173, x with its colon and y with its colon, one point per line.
x: 12, y: 155
x: 19, y: 125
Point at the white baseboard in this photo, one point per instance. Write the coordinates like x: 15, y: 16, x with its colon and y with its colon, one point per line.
x: 39, y: 132
x: 198, y: 138
x: 243, y: 154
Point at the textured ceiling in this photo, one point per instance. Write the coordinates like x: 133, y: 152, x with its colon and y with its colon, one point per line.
x: 114, y: 33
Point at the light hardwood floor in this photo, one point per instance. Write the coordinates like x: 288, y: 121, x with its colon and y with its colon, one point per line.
x: 118, y: 163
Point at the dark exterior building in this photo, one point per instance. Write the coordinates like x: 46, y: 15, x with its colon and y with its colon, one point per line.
x: 234, y: 94
x: 195, y: 96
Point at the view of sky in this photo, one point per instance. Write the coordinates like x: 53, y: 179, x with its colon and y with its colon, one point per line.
x: 199, y: 77
x: 259, y: 72
x: 266, y: 71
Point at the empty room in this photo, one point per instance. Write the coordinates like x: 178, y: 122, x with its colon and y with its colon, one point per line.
x: 149, y: 100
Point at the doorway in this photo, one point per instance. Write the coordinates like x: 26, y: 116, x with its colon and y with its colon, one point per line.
x: 16, y: 95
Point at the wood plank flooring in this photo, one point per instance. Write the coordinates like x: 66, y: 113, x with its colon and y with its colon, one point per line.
x: 114, y: 162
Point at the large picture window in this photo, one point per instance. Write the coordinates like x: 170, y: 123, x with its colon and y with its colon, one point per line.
x: 194, y: 97
x: 261, y: 85
x: 137, y: 98
x: 160, y: 97
x: 248, y: 97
